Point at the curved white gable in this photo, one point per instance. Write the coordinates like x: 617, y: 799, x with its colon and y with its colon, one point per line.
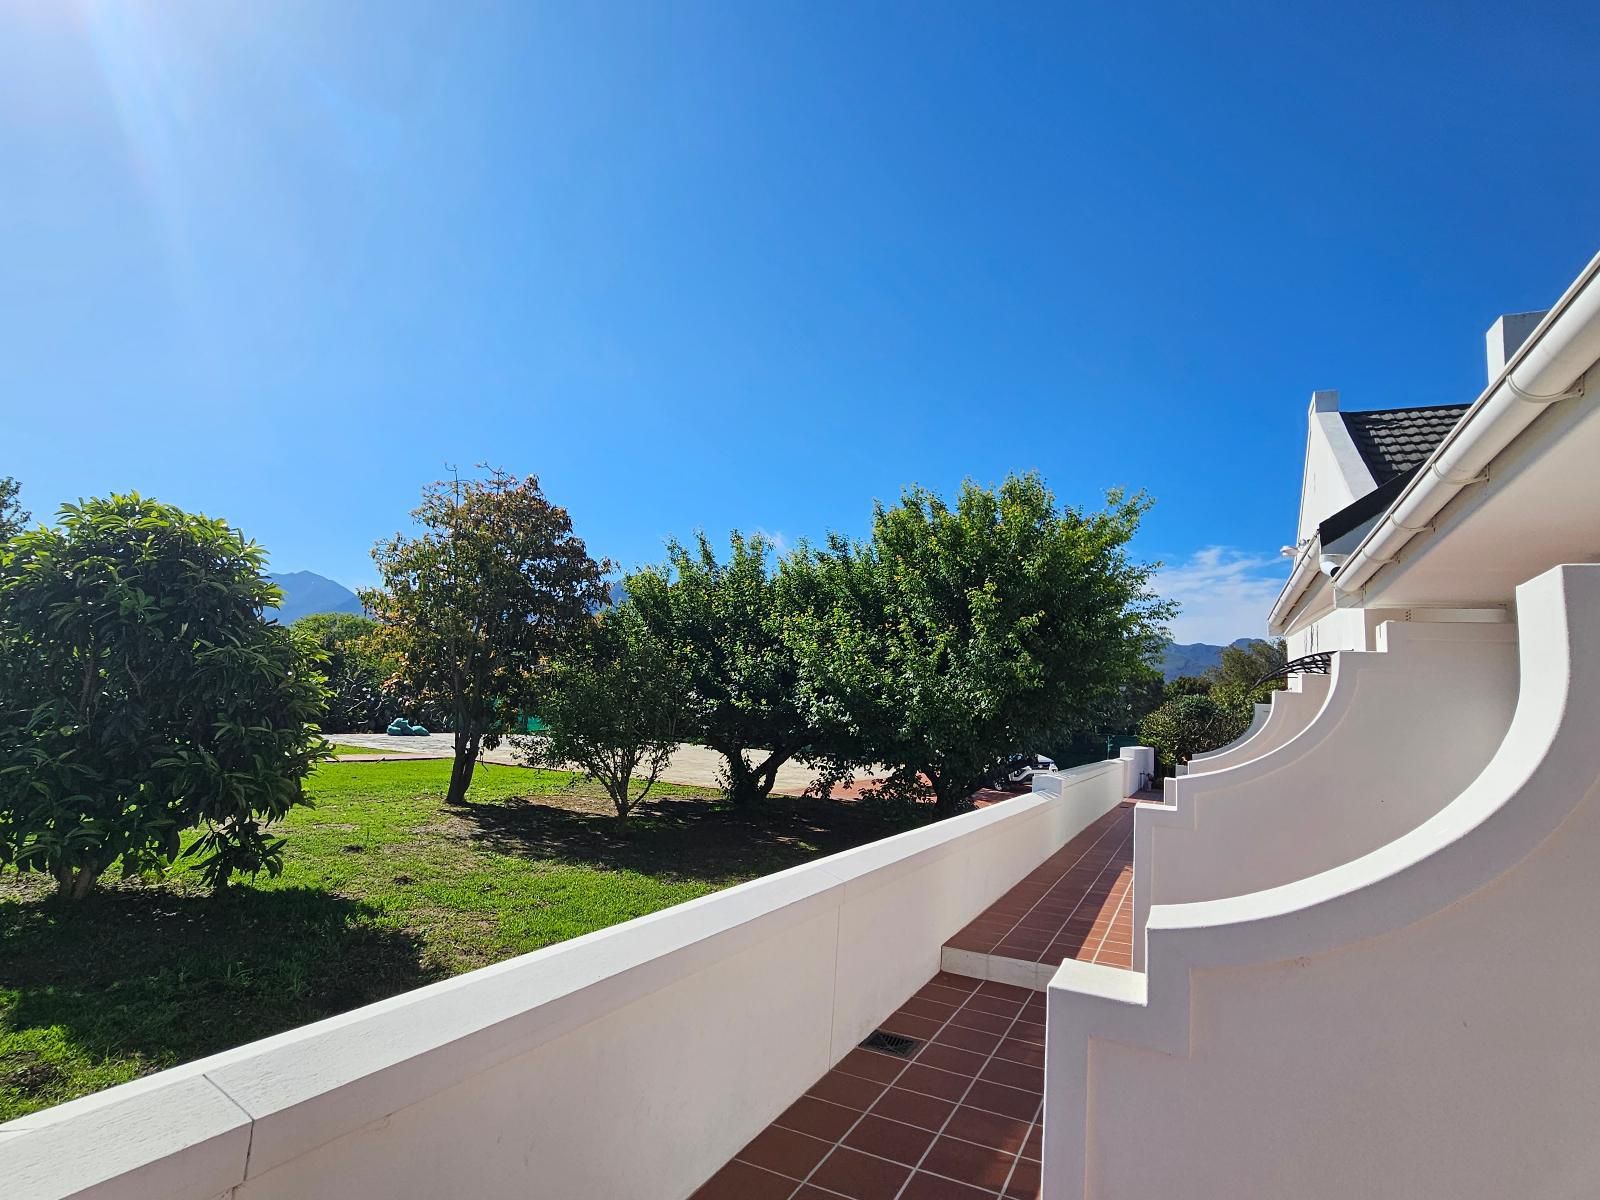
x: 1290, y: 711
x: 1402, y: 731
x: 1410, y: 1023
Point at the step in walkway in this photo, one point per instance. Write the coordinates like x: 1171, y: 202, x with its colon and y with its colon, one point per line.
x: 957, y: 1113
x: 1077, y: 904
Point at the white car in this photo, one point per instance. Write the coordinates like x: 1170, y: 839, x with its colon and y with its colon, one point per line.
x: 1019, y: 770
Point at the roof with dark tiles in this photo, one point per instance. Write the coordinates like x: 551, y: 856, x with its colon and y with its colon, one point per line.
x: 1393, y: 441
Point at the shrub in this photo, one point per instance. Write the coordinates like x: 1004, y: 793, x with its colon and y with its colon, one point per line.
x: 613, y: 707
x: 1190, y: 725
x: 145, y: 695
x: 359, y: 698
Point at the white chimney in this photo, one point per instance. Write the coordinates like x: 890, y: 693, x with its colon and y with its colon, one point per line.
x: 1505, y: 336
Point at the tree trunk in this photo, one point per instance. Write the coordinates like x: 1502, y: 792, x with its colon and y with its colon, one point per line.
x: 469, y: 742
x: 741, y: 779
x: 950, y: 797
x: 619, y: 786
x: 747, y: 784
x: 76, y: 883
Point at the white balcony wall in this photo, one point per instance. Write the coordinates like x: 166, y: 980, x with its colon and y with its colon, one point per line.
x: 1290, y: 711
x: 1411, y: 1024
x: 1259, y: 715
x: 1403, y: 729
x: 629, y: 1063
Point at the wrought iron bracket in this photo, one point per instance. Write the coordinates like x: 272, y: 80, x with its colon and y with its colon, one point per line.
x: 1309, y: 664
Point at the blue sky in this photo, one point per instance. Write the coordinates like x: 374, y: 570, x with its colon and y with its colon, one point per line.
x: 754, y: 265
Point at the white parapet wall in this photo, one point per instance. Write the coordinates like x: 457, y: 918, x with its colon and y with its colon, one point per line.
x: 1260, y: 714
x: 1290, y: 711
x: 1412, y: 1023
x: 1402, y: 730
x: 632, y: 1062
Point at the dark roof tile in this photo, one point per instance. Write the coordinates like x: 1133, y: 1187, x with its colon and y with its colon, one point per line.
x: 1395, y: 440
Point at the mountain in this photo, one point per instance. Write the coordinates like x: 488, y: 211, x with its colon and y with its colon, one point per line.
x: 305, y: 592
x: 1196, y: 658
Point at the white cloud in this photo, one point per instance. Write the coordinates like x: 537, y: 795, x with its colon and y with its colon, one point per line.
x: 779, y: 543
x: 1223, y: 593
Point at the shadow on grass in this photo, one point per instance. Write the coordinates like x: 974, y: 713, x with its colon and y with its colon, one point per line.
x: 167, y: 977
x: 684, y: 839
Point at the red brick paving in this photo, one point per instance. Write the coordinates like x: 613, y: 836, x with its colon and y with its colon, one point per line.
x: 959, y: 1118
x: 1077, y: 904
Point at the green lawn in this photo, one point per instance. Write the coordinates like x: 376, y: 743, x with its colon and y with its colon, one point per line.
x: 338, y: 748
x: 384, y: 889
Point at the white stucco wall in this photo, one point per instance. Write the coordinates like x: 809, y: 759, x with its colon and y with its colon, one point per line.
x: 1260, y: 714
x: 1335, y: 475
x: 1401, y: 731
x: 631, y: 1062
x: 1338, y: 629
x: 1411, y: 1024
x: 1290, y: 711
x: 1357, y: 628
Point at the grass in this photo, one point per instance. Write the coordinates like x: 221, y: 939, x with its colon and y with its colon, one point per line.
x: 340, y: 748
x: 384, y: 889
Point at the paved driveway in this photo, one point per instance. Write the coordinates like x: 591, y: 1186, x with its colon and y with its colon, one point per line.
x: 693, y: 765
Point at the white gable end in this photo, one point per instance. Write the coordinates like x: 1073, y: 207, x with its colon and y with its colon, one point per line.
x: 1335, y: 474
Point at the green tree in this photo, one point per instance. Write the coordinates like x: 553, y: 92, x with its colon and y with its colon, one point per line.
x: 1236, y: 682
x: 614, y: 705
x: 145, y: 695
x: 1142, y: 694
x: 722, y: 623
x: 12, y: 515
x: 357, y: 673
x: 1190, y: 725
x: 959, y: 635
x: 1186, y: 685
x: 471, y: 608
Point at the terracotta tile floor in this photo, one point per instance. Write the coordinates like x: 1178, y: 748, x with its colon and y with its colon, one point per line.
x: 1077, y: 904
x: 960, y: 1117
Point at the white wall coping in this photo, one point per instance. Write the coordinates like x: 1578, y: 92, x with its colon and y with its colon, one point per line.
x: 201, y: 1128
x: 1186, y: 799
x: 1259, y: 713
x: 1290, y: 711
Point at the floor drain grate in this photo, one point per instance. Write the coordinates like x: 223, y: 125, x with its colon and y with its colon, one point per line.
x: 890, y: 1043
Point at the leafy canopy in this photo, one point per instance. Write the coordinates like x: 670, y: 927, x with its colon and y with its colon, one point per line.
x: 1236, y: 680
x: 959, y: 635
x: 144, y: 695
x: 12, y: 515
x: 722, y: 624
x: 614, y: 707
x: 471, y: 607
x: 1190, y: 725
x: 357, y: 673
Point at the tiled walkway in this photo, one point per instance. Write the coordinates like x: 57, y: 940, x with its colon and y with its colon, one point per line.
x: 1077, y: 904
x: 957, y: 1119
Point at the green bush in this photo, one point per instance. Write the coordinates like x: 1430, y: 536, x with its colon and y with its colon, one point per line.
x: 614, y: 705
x: 1190, y: 725
x: 144, y: 695
x: 360, y: 699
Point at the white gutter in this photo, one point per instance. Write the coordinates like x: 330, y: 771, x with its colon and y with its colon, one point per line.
x: 1547, y: 368
x: 1301, y: 577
